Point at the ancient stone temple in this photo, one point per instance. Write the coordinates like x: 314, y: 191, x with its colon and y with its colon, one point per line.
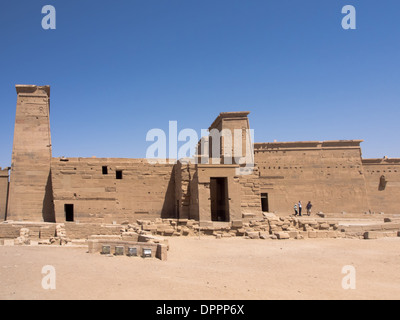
x: 331, y: 174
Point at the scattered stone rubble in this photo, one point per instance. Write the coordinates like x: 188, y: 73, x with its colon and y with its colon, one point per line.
x: 23, y: 238
x: 269, y: 227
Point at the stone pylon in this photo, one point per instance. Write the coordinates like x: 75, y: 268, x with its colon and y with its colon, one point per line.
x: 30, y: 194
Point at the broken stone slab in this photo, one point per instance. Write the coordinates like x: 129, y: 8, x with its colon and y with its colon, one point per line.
x: 240, y: 232
x: 226, y: 235
x: 253, y: 235
x: 143, y: 222
x: 321, y: 214
x: 186, y: 231
x: 191, y: 223
x: 264, y: 235
x: 285, y: 227
x: 269, y: 215
x: 324, y: 226
x: 169, y: 232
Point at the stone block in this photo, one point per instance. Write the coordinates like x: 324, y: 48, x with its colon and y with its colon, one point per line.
x: 372, y: 235
x: 206, y: 224
x: 186, y: 231
x: 391, y: 226
x: 150, y: 227
x: 332, y: 234
x: 190, y: 223
x: 237, y: 224
x: 169, y: 232
x: 303, y: 234
x: 312, y: 234
x: 183, y: 222
x: 324, y: 226
x: 264, y: 235
x: 314, y: 224
x: 269, y: 215
x: 253, y: 235
x: 322, y: 234
x: 8, y: 242
x: 293, y: 234
x: 282, y: 235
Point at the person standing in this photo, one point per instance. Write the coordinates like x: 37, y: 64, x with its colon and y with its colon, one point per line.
x: 295, y: 210
x: 300, y: 207
x: 309, y: 206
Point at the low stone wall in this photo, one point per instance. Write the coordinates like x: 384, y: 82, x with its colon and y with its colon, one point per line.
x: 380, y: 230
x: 85, y: 230
x: 11, y: 230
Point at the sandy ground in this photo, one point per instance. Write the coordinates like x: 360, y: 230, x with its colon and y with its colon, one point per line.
x: 209, y: 269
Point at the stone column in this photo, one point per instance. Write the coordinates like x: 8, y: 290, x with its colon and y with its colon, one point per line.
x: 3, y: 193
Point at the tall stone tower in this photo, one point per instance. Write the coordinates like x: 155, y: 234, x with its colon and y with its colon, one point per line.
x: 30, y: 193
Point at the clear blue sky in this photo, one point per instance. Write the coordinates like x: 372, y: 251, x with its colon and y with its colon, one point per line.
x: 120, y: 68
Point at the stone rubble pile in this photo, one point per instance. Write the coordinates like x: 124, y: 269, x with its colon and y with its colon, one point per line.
x: 269, y: 227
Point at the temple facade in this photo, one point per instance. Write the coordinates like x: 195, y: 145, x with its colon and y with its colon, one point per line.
x: 274, y: 176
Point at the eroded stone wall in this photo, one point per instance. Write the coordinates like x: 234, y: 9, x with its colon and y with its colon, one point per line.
x: 382, y: 178
x: 142, y: 191
x: 329, y: 174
